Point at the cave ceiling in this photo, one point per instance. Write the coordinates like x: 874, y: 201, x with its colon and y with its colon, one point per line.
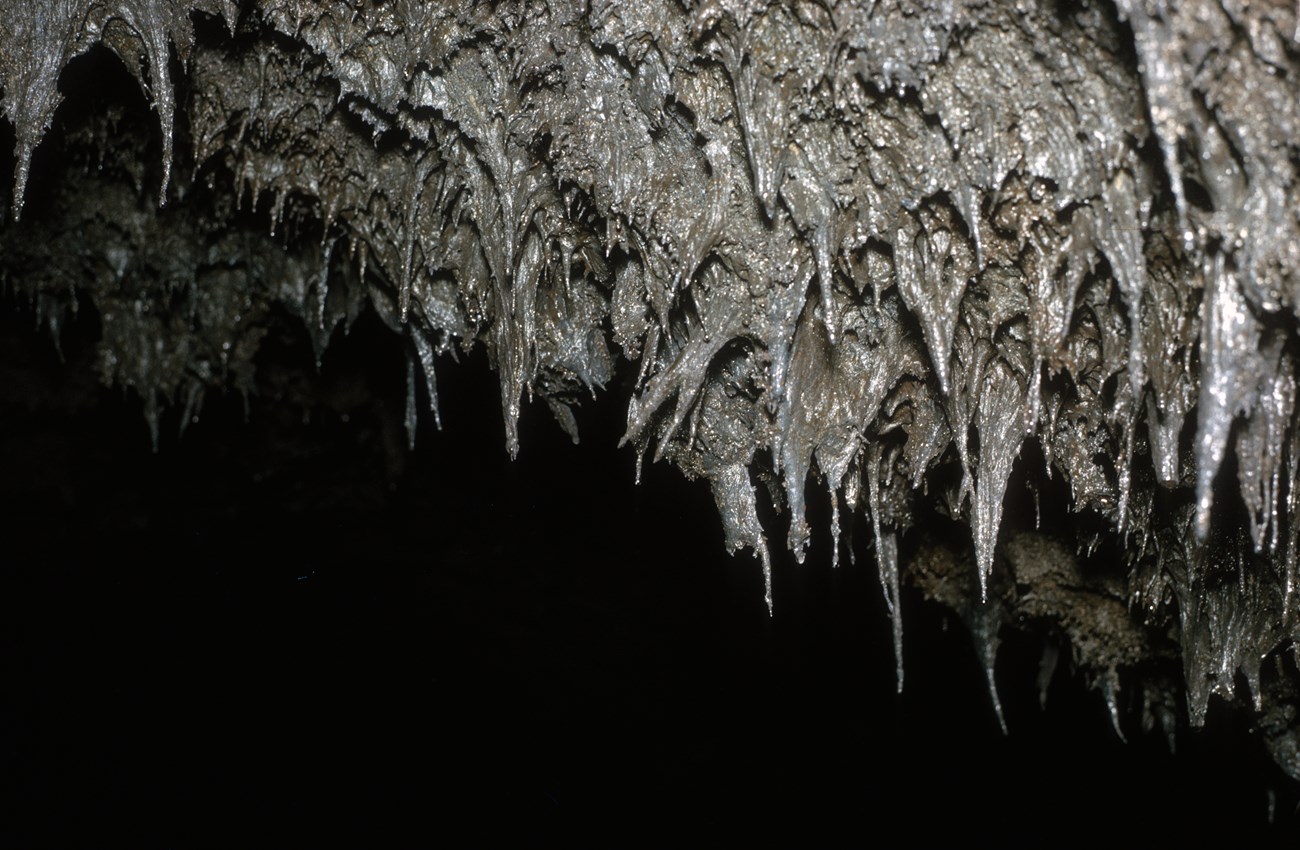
x: 900, y: 252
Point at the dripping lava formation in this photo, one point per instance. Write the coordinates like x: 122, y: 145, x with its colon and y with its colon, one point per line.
x: 892, y: 266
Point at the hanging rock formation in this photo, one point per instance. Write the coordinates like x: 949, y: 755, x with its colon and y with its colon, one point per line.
x: 908, y: 252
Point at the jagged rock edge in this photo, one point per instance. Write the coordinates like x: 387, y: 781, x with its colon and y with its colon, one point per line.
x: 818, y: 226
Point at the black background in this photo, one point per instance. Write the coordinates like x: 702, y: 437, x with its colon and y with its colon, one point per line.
x: 289, y: 630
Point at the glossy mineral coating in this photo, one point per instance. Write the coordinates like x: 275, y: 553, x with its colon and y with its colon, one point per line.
x: 873, y: 247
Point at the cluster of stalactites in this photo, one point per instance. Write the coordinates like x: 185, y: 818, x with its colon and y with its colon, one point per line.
x: 848, y: 243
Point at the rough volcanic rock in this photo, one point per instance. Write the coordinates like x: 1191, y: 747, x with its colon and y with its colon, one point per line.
x: 907, y: 251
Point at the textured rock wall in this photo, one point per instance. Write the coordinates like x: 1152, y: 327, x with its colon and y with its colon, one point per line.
x: 903, y: 251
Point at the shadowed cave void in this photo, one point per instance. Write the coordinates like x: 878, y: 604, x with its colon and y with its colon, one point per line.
x: 285, y: 615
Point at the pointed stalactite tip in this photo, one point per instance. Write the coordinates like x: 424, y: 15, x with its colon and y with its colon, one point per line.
x: 21, y: 173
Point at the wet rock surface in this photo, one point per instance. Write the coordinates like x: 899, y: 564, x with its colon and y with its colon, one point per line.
x: 909, y: 260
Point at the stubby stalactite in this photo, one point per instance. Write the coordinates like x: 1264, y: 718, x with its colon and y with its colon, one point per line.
x: 874, y: 248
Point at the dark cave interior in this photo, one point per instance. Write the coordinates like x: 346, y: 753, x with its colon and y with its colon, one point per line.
x: 283, y: 616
